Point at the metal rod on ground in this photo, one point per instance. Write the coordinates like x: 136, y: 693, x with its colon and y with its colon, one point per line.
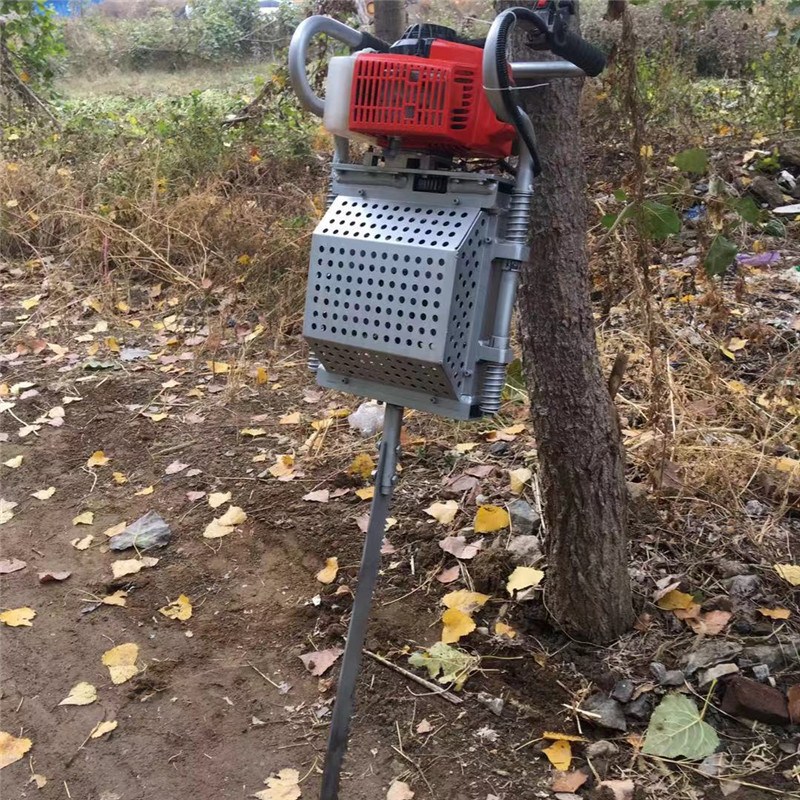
x: 367, y: 576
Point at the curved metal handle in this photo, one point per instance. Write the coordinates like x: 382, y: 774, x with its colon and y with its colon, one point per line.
x: 298, y: 50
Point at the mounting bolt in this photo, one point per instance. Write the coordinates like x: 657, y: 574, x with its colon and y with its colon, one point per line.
x: 467, y: 373
x: 345, y: 380
x: 456, y: 201
x: 361, y: 193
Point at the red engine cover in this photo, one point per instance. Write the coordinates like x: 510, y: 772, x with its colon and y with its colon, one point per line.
x: 434, y: 104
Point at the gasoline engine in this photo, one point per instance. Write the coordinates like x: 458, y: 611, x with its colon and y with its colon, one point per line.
x: 414, y: 266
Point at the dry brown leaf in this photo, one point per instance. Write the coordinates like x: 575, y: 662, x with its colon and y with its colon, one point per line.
x: 458, y: 547
x: 621, y: 790
x: 775, y: 613
x: 568, y: 781
x: 711, y: 623
x: 399, y: 790
x: 318, y: 662
x: 449, y: 575
x: 320, y: 496
x: 49, y: 576
x: 9, y: 565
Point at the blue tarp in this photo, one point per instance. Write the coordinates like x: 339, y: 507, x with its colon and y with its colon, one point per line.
x: 64, y: 8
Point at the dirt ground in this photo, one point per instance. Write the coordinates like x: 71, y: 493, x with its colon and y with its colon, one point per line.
x: 222, y: 700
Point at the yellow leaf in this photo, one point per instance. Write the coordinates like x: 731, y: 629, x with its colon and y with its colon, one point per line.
x: 501, y: 629
x: 11, y: 166
x: 253, y: 432
x: 443, y: 513
x: 518, y: 478
x: 81, y: 694
x: 675, y: 599
x: 736, y: 344
x: 18, y: 617
x: 559, y: 754
x: 12, y: 749
x: 290, y: 419
x: 789, y: 572
x: 85, y: 518
x: 465, y: 600
x: 366, y: 494
x: 562, y: 737
x: 121, y: 662
x: 44, y: 494
x: 362, y: 465
x: 119, y: 478
x: 283, y: 786
x: 646, y: 151
x: 180, y: 609
x: 216, y: 499
x: 218, y: 367
x: 283, y: 466
x: 14, y: 463
x: 783, y: 464
x: 523, y: 578
x: 456, y: 624
x: 727, y: 353
x: 328, y: 573
x: 82, y: 544
x: 12, y: 203
x: 130, y: 566
x: 116, y: 599
x: 262, y: 376
x: 490, y: 519
x: 144, y: 492
x: 224, y: 525
x: 737, y: 387
x: 97, y: 459
x: 157, y: 417
x: 465, y: 447
x: 112, y: 344
x: 123, y: 307
x: 31, y: 302
x: 102, y: 728
x: 775, y: 613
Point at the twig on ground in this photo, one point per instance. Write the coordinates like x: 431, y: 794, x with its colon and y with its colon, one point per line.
x: 434, y: 689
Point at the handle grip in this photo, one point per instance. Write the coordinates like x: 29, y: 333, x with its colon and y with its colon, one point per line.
x: 576, y: 49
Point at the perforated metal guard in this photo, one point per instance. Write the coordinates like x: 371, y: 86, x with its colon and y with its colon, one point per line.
x: 393, y: 293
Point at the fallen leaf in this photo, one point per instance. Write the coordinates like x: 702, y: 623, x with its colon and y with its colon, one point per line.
x: 253, y: 432
x: 83, y: 544
x: 13, y: 463
x: 465, y: 447
x: 449, y: 575
x: 735, y: 344
x: 114, y: 530
x: 116, y: 599
x: 175, y: 467
x: 454, y: 665
x: 424, y: 727
x: 710, y: 623
x: 29, y: 302
x: 399, y: 791
x: 676, y: 729
x: 501, y: 629
x: 216, y: 499
x: 6, y: 510
x: 44, y: 494
x: 362, y: 466
x: 121, y: 662
x: 518, y: 478
x: 81, y: 694
x: 180, y: 609
x: 85, y: 518
x: 290, y: 419
x: 218, y: 367
x: 775, y: 613
x: 489, y: 519
x: 620, y: 789
x: 102, y: 728
x: 119, y: 478
x: 458, y: 547
x: 443, y: 513
x: 18, y: 617
x: 568, y: 781
x: 283, y: 466
x: 97, y: 459
x: 789, y: 572
x: 559, y: 754
x: 39, y: 780
x: 320, y: 496
x: 328, y: 573
x: 283, y: 786
x: 193, y: 497
x: 319, y: 662
x: 130, y: 566
x: 366, y: 494
x: 144, y: 492
x: 457, y: 623
x: 11, y: 565
x: 224, y: 525
x: 565, y: 737
x: 675, y: 599
x: 12, y: 749
x: 523, y: 578
x: 49, y: 577
x: 465, y: 600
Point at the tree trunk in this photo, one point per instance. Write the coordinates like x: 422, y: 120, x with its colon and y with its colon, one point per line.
x: 581, y: 457
x: 390, y: 19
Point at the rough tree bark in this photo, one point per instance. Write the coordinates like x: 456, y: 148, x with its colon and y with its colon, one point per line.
x: 390, y: 19
x: 588, y: 590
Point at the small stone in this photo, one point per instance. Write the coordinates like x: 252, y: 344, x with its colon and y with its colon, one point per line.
x: 658, y: 670
x: 674, y: 677
x: 499, y: 449
x: 602, y: 748
x: 766, y: 190
x: 526, y: 549
x: 622, y: 691
x: 708, y: 653
x: 741, y: 587
x: 773, y: 656
x: 606, y: 712
x: 704, y: 677
x: 761, y: 673
x: 524, y: 520
x: 754, y: 508
x: 639, y: 709
x: 494, y: 704
x: 751, y: 700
